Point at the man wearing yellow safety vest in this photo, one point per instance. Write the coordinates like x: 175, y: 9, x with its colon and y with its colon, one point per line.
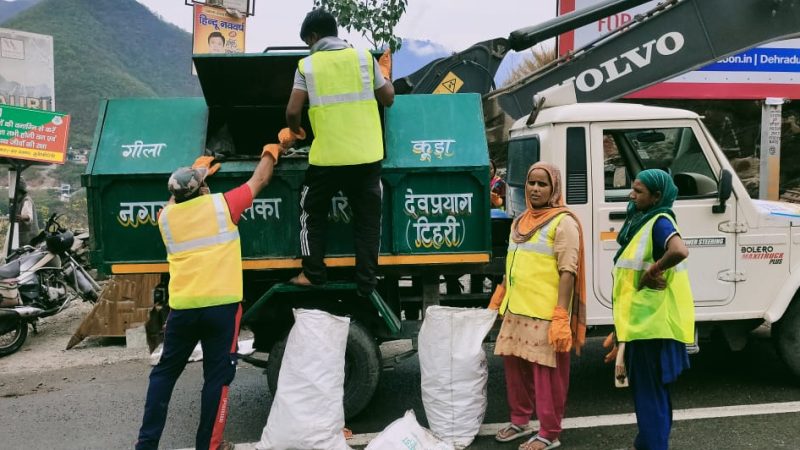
x: 653, y: 304
x: 200, y: 233
x: 341, y: 85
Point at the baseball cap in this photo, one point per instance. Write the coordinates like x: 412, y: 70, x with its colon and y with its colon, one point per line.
x: 185, y: 182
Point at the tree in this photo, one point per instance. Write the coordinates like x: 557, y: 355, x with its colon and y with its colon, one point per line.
x: 374, y: 19
x: 540, y: 57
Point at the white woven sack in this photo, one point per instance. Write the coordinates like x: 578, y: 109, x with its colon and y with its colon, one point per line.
x: 308, y: 411
x: 404, y: 434
x: 454, y: 371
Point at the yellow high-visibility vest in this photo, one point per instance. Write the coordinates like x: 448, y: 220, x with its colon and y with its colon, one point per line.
x: 532, y: 274
x: 342, y: 108
x: 204, y: 254
x: 650, y: 313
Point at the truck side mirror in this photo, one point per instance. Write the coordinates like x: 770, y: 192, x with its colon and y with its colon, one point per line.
x: 724, y: 189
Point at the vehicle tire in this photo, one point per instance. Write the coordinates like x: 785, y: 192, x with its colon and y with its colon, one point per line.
x: 362, y: 368
x: 12, y: 336
x: 786, y: 333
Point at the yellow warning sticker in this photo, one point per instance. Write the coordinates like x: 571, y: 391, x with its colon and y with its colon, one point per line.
x: 450, y: 85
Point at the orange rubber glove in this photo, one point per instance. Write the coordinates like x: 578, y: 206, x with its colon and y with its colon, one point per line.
x: 208, y: 163
x: 497, y: 201
x: 609, y: 343
x: 272, y: 149
x: 385, y: 64
x: 560, y: 335
x: 497, y: 297
x: 287, y: 137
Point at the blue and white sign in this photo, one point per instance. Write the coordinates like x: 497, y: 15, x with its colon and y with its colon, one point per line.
x: 760, y: 59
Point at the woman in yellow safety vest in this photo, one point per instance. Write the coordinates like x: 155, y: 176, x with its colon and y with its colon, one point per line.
x: 652, y: 304
x: 544, y: 309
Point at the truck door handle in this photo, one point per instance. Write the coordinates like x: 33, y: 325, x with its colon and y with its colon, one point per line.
x: 617, y: 215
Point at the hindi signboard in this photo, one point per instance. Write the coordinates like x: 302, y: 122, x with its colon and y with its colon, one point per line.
x: 216, y: 31
x: 770, y: 70
x: 26, y: 70
x: 33, y: 135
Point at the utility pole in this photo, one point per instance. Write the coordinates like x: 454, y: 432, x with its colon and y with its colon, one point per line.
x: 770, y: 162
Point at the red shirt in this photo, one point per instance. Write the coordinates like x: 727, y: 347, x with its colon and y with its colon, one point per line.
x: 239, y: 199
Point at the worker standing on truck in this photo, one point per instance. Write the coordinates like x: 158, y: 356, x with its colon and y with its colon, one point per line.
x: 341, y: 85
x: 200, y: 233
x: 652, y: 304
x: 543, y: 303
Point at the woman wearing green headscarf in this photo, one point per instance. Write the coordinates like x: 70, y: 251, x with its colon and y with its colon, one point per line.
x: 652, y: 304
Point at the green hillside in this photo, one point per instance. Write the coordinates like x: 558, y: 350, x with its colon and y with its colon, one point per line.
x: 107, y: 49
x: 9, y: 9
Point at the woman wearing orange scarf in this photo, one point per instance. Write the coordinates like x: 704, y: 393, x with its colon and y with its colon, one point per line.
x: 543, y: 306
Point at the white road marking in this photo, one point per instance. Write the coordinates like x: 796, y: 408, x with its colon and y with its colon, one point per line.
x: 490, y: 429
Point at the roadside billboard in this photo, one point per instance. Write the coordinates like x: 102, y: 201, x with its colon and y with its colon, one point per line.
x: 26, y: 70
x: 215, y: 31
x: 242, y: 6
x: 33, y: 135
x: 771, y: 70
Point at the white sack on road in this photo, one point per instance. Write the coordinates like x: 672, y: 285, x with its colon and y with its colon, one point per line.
x: 454, y: 371
x: 308, y: 407
x: 405, y: 433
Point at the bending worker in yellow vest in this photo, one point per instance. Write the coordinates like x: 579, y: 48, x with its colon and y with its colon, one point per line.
x: 652, y: 304
x: 341, y: 85
x: 205, y: 293
x: 543, y: 303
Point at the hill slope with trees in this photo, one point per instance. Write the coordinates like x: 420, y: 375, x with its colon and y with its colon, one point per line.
x: 107, y: 49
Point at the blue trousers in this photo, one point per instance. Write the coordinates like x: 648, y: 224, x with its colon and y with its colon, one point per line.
x: 217, y: 330
x: 653, y: 365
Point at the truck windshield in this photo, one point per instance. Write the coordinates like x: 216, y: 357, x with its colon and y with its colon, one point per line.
x: 674, y: 150
x: 522, y: 153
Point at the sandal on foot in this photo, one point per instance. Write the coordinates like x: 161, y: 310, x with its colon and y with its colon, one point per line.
x: 549, y: 445
x: 512, y: 432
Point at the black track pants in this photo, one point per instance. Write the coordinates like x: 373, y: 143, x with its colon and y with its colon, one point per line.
x: 362, y: 186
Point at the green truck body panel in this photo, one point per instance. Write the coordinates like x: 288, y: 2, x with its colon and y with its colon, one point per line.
x: 435, y: 177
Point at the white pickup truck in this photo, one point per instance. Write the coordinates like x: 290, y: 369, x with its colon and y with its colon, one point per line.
x: 744, y: 260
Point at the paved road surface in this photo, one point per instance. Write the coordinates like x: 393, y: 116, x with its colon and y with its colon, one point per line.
x: 100, y: 407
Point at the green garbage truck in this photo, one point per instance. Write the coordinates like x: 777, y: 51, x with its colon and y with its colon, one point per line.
x: 435, y: 220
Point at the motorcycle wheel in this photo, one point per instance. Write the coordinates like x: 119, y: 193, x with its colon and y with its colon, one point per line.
x: 12, y: 336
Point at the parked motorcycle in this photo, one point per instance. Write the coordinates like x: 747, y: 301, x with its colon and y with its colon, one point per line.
x: 41, y: 280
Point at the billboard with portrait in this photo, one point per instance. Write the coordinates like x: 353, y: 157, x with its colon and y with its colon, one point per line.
x: 26, y: 70
x: 216, y: 31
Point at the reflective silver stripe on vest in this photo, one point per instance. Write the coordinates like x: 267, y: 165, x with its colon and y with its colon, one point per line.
x: 366, y: 93
x: 162, y: 219
x: 637, y: 262
x: 311, y: 82
x: 219, y: 207
x: 221, y: 237
x: 641, y: 265
x: 632, y: 264
x: 540, y: 246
